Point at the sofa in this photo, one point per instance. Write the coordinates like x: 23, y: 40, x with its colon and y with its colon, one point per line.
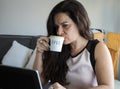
x: 23, y: 42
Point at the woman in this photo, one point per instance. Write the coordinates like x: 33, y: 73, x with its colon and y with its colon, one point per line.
x: 84, y: 63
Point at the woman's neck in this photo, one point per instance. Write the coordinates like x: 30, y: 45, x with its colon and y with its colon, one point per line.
x: 78, y: 45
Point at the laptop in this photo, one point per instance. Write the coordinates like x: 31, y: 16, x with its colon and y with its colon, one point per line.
x: 19, y: 78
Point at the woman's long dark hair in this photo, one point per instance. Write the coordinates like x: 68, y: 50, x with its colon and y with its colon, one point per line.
x: 54, y: 63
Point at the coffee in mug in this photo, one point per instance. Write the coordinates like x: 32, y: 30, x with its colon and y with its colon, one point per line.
x: 56, y: 43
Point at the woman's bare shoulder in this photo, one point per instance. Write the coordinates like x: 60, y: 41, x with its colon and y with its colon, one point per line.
x: 101, y: 50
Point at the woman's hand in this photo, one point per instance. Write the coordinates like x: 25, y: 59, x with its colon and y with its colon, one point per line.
x: 42, y: 44
x: 56, y: 86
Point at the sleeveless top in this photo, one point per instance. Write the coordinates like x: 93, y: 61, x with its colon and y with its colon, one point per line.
x: 81, y: 74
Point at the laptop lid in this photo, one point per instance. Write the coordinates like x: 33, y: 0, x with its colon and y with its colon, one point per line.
x: 19, y: 78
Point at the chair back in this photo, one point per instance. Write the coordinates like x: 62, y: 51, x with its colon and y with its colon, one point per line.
x: 113, y: 44
x: 99, y: 36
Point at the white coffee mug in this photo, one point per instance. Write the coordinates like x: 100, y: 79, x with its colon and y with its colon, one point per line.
x: 56, y: 43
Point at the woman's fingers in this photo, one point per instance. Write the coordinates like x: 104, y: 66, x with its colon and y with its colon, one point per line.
x: 43, y: 44
x: 57, y: 86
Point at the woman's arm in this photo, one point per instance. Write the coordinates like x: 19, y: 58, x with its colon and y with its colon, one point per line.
x: 42, y: 45
x: 38, y: 62
x: 103, y: 67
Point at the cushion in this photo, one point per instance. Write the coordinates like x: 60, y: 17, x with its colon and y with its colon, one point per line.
x: 31, y: 60
x: 17, y: 55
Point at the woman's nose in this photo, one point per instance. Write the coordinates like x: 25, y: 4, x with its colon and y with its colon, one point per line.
x: 60, y: 31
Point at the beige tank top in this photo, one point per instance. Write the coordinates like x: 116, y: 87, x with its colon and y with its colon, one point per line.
x: 81, y: 74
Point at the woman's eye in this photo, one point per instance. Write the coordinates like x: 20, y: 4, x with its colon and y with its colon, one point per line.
x: 65, y: 25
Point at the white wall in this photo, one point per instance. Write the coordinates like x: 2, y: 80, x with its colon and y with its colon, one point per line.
x: 104, y: 14
x: 29, y: 16
x: 24, y: 16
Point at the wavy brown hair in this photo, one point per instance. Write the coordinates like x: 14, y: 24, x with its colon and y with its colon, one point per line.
x: 54, y: 63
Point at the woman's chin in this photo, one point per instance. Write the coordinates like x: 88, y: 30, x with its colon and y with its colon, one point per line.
x: 66, y: 43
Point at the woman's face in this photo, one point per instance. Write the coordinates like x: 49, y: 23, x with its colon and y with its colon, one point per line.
x: 66, y: 28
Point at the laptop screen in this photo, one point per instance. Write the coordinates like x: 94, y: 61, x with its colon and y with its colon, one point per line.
x: 19, y: 78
